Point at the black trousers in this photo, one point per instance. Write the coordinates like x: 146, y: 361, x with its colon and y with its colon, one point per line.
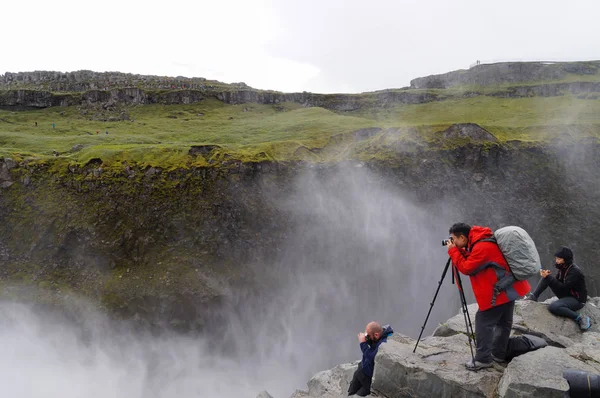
x: 360, y: 384
x: 492, y: 331
x: 565, y: 306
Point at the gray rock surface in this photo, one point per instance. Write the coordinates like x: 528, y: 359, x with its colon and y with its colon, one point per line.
x: 299, y: 394
x: 264, y: 394
x: 505, y: 72
x: 334, y: 381
x: 437, y: 368
x: 534, y: 318
x: 539, y: 374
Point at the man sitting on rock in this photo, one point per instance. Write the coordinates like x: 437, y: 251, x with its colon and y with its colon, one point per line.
x: 369, y: 341
x: 483, y: 261
x: 568, y: 286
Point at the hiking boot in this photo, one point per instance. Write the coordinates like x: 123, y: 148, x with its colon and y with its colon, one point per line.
x: 501, y: 361
x: 530, y: 297
x: 584, y: 322
x: 476, y: 365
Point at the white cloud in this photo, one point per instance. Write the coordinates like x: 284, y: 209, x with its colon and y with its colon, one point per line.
x: 292, y: 45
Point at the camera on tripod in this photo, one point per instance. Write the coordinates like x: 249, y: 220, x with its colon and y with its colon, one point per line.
x: 445, y: 241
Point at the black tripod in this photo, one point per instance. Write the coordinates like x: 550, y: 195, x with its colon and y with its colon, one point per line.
x: 463, y: 301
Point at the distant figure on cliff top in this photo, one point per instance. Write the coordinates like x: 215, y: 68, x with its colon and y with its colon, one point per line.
x: 106, y: 131
x: 53, y: 125
x: 35, y: 124
x: 97, y: 132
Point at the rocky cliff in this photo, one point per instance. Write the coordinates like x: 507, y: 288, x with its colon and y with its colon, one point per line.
x: 27, y: 90
x: 139, y: 239
x: 508, y: 73
x: 437, y: 369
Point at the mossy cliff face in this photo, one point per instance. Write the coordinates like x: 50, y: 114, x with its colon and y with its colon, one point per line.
x: 143, y: 243
x: 165, y: 247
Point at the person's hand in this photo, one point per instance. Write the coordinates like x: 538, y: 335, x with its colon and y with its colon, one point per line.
x: 545, y: 272
x: 362, y: 338
x: 450, y: 244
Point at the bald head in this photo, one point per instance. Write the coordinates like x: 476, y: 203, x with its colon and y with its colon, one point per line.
x: 374, y: 327
x: 373, y: 331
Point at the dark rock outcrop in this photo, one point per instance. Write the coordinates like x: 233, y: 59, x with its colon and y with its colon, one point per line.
x: 468, y: 130
x: 507, y: 72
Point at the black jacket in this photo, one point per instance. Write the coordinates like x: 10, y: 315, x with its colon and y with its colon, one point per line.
x: 569, y: 283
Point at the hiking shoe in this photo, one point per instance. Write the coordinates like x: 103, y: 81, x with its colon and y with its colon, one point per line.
x: 584, y: 322
x: 500, y: 361
x: 530, y: 297
x: 476, y: 365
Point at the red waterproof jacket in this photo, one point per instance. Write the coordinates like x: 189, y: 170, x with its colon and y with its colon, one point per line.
x: 477, y: 263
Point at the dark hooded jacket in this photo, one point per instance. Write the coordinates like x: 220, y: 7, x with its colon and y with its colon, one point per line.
x: 369, y: 351
x: 569, y: 282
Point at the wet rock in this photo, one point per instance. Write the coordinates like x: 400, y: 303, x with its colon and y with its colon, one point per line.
x: 539, y: 373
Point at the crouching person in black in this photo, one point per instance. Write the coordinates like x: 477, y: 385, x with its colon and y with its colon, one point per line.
x: 569, y: 287
x: 369, y: 341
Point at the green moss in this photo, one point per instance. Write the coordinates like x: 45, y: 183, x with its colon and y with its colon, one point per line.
x: 286, y: 132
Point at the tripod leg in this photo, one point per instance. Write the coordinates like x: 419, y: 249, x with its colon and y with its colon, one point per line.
x: 465, y: 309
x: 433, y: 302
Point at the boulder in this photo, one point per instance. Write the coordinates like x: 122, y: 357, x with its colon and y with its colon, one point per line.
x: 539, y: 373
x: 534, y: 318
x: 587, y: 349
x: 332, y: 382
x: 456, y: 324
x: 437, y: 369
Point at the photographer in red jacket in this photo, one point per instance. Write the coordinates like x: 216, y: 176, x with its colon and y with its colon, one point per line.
x: 485, y: 265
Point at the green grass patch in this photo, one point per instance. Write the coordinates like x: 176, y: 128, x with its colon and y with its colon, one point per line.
x: 161, y: 135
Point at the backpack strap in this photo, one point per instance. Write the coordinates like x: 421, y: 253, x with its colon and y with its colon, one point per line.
x: 493, y: 240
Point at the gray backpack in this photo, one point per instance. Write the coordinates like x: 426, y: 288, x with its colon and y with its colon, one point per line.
x: 520, y: 253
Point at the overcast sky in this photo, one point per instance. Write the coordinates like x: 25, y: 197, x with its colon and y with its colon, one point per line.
x: 293, y: 45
